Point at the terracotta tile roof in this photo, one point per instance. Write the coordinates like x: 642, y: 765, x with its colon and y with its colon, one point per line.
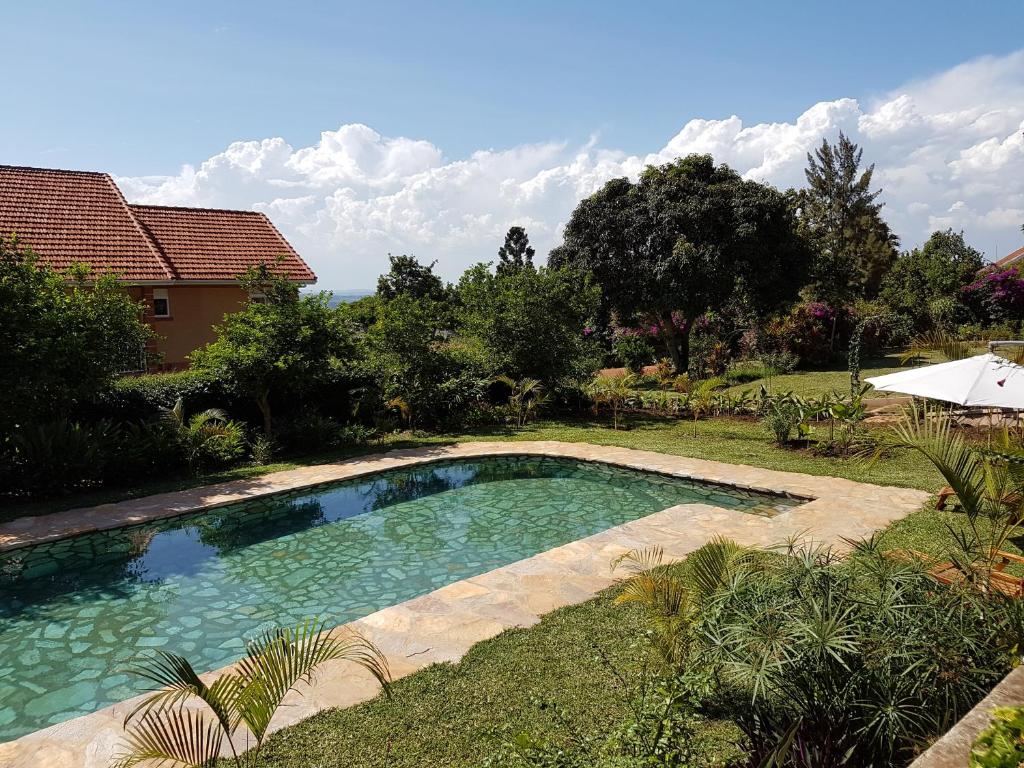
x: 81, y: 216
x: 1010, y: 258
x: 211, y: 244
x: 77, y: 216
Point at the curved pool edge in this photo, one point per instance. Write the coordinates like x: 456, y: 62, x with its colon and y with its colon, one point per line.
x: 26, y: 531
x: 443, y: 624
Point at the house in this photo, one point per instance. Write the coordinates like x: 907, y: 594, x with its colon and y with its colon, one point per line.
x: 1013, y: 259
x: 182, y: 263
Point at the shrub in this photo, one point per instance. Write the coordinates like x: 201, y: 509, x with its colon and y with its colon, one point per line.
x: 310, y: 432
x: 1001, y: 745
x: 62, y: 343
x: 55, y: 457
x: 209, y: 439
x: 812, y: 654
x: 633, y: 351
x: 144, y: 397
x: 996, y: 296
x: 744, y: 374
x: 779, y: 363
x: 263, y: 450
x: 782, y: 416
x: 815, y: 331
x: 682, y: 383
x: 146, y: 449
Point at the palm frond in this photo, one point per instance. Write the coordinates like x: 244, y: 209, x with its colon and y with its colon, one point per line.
x: 176, y: 681
x: 936, y: 342
x: 179, y: 737
x: 280, y: 659
x: 713, y: 566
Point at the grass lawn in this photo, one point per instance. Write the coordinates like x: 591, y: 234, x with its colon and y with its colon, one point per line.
x: 570, y: 668
x: 818, y: 383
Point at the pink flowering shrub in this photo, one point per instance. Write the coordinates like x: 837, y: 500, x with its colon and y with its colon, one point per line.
x: 996, y: 296
x: 813, y: 331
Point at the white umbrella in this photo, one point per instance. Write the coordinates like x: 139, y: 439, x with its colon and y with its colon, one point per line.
x: 985, y: 380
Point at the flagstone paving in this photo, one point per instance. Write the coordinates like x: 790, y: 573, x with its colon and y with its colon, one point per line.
x: 443, y: 624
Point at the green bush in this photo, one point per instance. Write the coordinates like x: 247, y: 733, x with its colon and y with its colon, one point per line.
x: 309, y: 432
x: 50, y: 458
x: 145, y: 397
x: 744, y: 373
x: 782, y: 416
x: 1001, y: 745
x: 209, y: 439
x: 633, y: 351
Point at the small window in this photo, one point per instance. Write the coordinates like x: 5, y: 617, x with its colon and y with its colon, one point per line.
x: 258, y: 297
x: 161, y: 305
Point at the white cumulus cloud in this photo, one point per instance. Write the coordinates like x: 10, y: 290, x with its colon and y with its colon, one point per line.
x: 949, y: 152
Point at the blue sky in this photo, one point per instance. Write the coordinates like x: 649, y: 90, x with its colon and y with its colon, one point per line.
x: 141, y: 89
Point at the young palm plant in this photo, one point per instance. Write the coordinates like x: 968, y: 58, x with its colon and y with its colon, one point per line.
x: 209, y: 437
x: 526, y: 397
x: 167, y: 728
x: 613, y: 392
x: 989, y: 484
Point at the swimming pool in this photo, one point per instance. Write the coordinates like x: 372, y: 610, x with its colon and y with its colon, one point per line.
x: 74, y: 613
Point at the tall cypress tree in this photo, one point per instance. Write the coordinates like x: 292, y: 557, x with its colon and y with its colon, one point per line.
x: 842, y: 216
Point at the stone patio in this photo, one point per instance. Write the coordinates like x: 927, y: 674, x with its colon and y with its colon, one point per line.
x: 444, y: 624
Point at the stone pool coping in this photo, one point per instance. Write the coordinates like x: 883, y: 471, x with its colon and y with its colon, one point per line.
x: 442, y: 625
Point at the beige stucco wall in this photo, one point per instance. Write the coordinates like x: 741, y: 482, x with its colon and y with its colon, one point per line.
x: 195, y: 309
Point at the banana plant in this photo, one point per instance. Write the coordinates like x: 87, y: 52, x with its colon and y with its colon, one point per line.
x: 165, y: 730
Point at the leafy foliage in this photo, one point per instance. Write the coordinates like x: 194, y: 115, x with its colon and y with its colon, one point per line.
x: 1001, y: 745
x: 64, y: 338
x: 516, y: 253
x: 810, y: 653
x: 683, y: 240
x: 839, y: 212
x: 284, y: 346
x: 419, y: 372
x: 937, y: 270
x: 633, y: 351
x: 407, y: 277
x: 611, y: 392
x: 209, y: 439
x: 529, y: 322
x: 163, y: 729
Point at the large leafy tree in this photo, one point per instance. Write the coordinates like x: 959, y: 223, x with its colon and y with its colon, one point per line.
x: 685, y: 239
x: 419, y: 371
x: 934, y: 272
x: 516, y: 253
x: 529, y: 322
x: 65, y: 336
x: 407, y: 277
x: 841, y: 214
x: 285, y: 345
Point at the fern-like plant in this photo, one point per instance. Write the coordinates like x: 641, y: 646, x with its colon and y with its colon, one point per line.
x: 163, y: 730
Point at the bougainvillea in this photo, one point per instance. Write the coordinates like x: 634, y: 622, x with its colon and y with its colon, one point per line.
x: 813, y: 331
x: 997, y: 295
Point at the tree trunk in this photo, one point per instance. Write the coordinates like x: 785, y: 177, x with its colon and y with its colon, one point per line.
x: 263, y: 402
x: 678, y: 343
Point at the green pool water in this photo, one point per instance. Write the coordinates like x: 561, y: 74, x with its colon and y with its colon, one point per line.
x: 75, y: 613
